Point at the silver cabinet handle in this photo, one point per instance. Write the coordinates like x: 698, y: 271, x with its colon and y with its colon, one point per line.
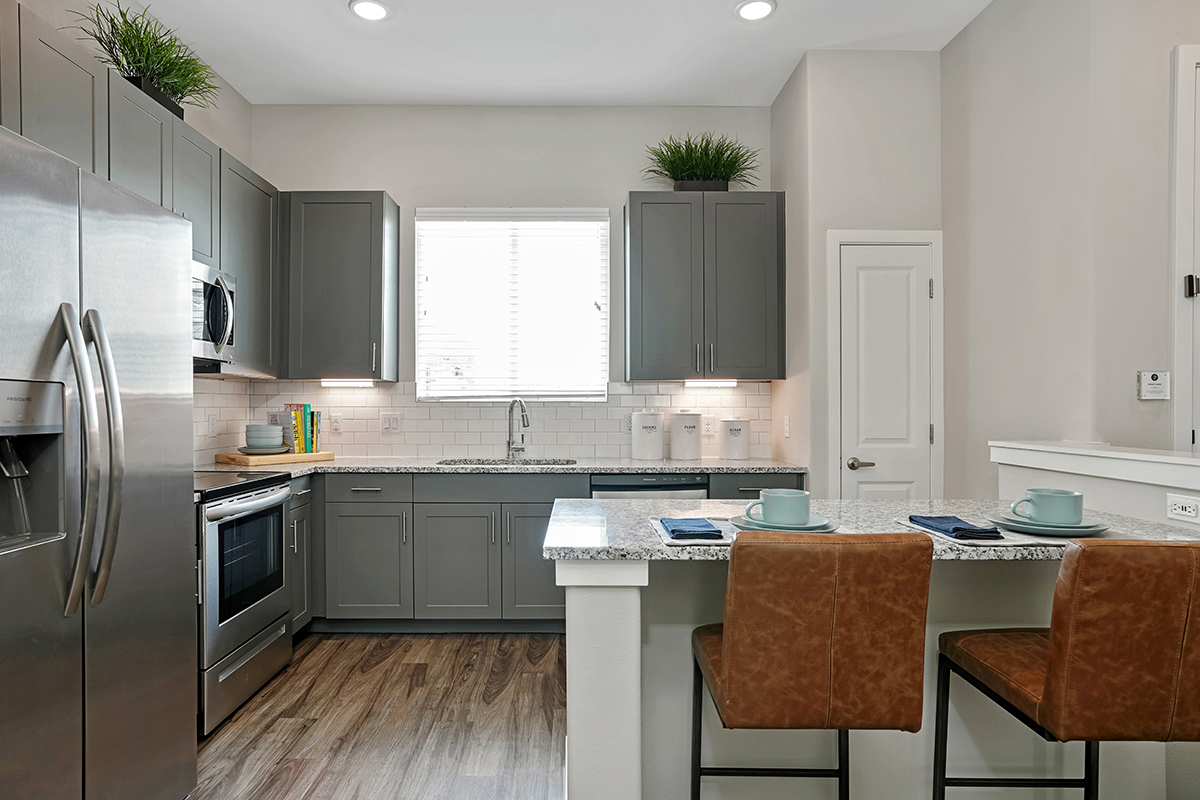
x: 698, y: 358
x: 94, y: 330
x: 403, y: 527
x: 493, y: 525
x: 91, y: 451
x: 854, y: 463
x: 301, y: 492
x: 373, y: 346
x: 712, y: 357
x: 366, y: 488
x: 294, y: 550
x: 508, y: 527
x: 228, y: 332
x: 751, y: 488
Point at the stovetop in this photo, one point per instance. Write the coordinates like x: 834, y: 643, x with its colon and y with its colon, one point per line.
x: 212, y: 485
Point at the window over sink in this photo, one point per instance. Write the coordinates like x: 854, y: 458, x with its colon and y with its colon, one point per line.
x: 512, y: 301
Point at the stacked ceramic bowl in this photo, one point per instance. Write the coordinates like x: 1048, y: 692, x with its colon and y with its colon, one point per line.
x: 263, y: 438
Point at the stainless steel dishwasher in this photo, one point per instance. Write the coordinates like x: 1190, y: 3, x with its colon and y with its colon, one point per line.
x: 650, y: 487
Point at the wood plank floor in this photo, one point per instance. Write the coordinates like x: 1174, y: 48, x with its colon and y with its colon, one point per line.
x: 393, y: 717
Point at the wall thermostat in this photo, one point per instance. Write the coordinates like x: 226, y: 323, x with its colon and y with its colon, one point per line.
x: 1154, y: 385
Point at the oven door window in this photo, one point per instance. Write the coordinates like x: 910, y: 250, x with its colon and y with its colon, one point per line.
x: 251, y: 552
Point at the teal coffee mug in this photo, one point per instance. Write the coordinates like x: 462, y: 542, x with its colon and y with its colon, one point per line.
x: 1057, y: 506
x: 781, y: 507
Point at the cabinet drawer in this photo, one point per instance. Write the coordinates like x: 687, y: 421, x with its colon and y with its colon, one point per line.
x: 732, y: 486
x: 498, y: 488
x: 301, y: 492
x: 368, y: 488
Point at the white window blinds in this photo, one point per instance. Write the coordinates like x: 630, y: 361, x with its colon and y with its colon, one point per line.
x: 512, y: 302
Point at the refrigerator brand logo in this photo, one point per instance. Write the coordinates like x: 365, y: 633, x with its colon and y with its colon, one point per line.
x: 20, y: 399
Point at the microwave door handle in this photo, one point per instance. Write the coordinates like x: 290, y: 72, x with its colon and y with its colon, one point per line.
x: 93, y: 328
x: 236, y: 510
x: 91, y: 453
x: 228, y: 300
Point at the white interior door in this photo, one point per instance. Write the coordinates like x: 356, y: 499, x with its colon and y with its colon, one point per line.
x: 886, y: 413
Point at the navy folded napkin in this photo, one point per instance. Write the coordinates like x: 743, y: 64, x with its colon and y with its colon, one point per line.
x: 691, y: 529
x: 955, y: 528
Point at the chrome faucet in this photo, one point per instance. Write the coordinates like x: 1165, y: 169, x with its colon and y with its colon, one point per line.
x: 516, y: 450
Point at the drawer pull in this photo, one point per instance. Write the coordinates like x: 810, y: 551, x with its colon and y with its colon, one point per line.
x: 302, y: 491
x: 752, y: 488
x: 366, y: 488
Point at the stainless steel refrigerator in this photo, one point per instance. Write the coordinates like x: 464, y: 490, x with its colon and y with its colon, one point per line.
x: 97, y: 541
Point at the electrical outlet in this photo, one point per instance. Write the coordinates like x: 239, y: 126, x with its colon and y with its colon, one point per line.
x: 391, y: 421
x: 212, y: 426
x: 629, y: 423
x: 787, y: 426
x: 709, y: 425
x: 1183, y: 508
x: 335, y: 423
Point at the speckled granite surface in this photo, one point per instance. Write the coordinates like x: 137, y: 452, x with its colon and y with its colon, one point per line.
x: 585, y: 465
x: 619, y: 529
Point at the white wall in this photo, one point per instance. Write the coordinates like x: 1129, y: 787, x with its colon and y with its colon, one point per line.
x: 857, y: 135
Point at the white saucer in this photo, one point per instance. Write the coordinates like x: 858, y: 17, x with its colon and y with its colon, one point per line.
x: 815, y: 524
x: 1087, y: 522
x: 264, y: 451
x: 1043, y: 530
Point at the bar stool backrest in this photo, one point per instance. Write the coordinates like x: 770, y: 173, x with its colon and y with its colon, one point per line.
x: 1124, y: 659
x: 826, y: 631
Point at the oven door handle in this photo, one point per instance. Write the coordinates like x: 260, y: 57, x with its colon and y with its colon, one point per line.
x: 236, y: 510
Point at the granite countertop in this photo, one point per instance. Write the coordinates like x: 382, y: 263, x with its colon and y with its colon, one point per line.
x: 583, y: 465
x: 620, y: 529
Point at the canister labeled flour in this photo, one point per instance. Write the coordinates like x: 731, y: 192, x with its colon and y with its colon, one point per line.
x: 685, y: 435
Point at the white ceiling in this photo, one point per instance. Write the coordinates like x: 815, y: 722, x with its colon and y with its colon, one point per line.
x: 540, y: 52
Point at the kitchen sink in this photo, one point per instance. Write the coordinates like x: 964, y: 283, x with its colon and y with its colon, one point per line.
x: 518, y: 462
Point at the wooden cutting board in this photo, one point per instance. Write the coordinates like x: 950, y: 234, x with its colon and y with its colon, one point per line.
x: 243, y: 460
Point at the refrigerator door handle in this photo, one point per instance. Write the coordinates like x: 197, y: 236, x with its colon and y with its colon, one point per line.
x: 94, y: 330
x: 225, y: 334
x: 91, y: 452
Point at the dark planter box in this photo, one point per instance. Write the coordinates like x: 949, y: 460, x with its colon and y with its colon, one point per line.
x: 702, y: 186
x: 156, y: 95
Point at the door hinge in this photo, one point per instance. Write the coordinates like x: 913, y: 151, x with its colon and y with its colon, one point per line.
x: 931, y: 434
x: 1191, y: 286
x: 1193, y: 436
x: 931, y: 288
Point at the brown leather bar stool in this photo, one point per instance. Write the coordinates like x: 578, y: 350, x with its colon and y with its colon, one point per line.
x: 1119, y: 662
x: 821, y: 632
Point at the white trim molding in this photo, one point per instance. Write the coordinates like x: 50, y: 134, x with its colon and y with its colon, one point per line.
x: 833, y: 245
x: 1185, y: 63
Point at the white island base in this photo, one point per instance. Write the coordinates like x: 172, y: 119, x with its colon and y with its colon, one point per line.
x: 629, y: 683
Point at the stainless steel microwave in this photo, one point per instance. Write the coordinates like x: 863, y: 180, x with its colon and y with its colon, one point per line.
x: 213, y: 296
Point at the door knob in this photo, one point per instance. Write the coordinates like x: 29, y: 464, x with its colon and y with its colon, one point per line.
x: 854, y: 463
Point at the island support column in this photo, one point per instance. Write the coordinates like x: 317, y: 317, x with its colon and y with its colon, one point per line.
x: 604, y: 677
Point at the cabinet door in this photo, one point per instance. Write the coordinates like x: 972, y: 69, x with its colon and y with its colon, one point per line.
x: 529, y: 588
x: 249, y: 209
x: 368, y: 561
x: 457, y: 552
x: 743, y: 285
x: 300, y: 567
x: 664, y: 286
x: 140, y: 139
x: 196, y: 187
x: 64, y: 95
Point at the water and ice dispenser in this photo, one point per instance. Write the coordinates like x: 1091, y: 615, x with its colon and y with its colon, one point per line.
x: 32, y: 463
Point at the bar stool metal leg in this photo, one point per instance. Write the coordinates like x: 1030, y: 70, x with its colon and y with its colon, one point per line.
x: 1091, y: 771
x: 697, y: 716
x: 843, y: 765
x: 941, y: 727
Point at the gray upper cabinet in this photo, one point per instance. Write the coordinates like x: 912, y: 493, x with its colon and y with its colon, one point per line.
x: 530, y: 591
x: 249, y: 252
x: 197, y: 190
x: 343, y: 285
x: 141, y: 137
x: 10, y: 66
x: 63, y: 95
x: 664, y: 285
x: 456, y: 549
x: 705, y: 285
x: 368, y: 561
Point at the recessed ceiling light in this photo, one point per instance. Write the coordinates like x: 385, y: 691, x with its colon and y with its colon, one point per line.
x: 373, y: 10
x: 755, y: 9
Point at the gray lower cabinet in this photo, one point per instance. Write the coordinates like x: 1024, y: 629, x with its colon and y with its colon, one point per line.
x: 746, y: 486
x: 63, y: 95
x: 299, y: 566
x: 141, y: 137
x: 196, y: 188
x: 368, y: 561
x: 249, y: 252
x: 456, y: 548
x: 529, y: 589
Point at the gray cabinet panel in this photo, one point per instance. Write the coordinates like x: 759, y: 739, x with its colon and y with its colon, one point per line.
x: 368, y: 488
x: 299, y: 566
x: 197, y: 190
x: 10, y: 66
x: 343, y: 278
x: 249, y: 211
x: 141, y: 136
x: 664, y: 285
x: 457, y: 569
x: 745, y: 486
x: 529, y: 587
x: 64, y: 95
x: 485, y: 487
x: 368, y: 561
x: 743, y: 284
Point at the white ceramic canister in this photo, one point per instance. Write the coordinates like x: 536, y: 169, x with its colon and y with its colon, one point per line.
x: 735, y: 439
x: 647, y: 435
x: 685, y: 435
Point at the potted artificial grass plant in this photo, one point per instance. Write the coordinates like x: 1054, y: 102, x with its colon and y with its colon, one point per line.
x: 703, y: 163
x: 150, y: 56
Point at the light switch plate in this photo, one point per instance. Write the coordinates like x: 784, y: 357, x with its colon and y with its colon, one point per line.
x: 1152, y: 385
x: 390, y: 421
x: 787, y: 426
x: 212, y: 426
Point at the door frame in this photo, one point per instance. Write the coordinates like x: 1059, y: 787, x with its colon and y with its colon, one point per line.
x: 833, y: 261
x: 1185, y: 63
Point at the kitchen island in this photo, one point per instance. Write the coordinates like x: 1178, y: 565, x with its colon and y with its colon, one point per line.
x: 632, y: 602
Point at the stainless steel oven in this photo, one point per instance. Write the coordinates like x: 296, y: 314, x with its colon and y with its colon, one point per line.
x: 213, y: 295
